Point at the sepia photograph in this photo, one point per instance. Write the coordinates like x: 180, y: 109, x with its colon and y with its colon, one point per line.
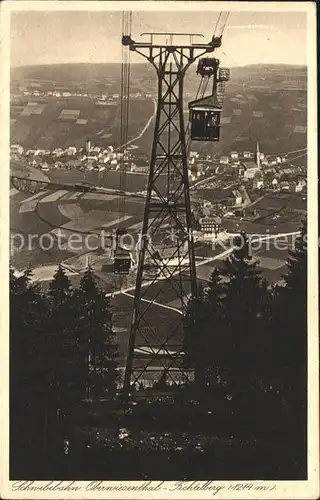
x: 159, y: 222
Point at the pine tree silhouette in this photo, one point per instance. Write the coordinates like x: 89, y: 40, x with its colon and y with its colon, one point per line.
x: 290, y: 332
x: 227, y: 340
x: 290, y: 354
x: 97, y: 338
x: 29, y: 378
x: 66, y: 363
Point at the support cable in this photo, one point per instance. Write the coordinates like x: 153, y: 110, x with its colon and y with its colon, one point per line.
x: 124, y: 114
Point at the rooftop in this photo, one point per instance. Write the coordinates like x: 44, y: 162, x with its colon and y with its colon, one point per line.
x: 210, y: 220
x: 249, y: 164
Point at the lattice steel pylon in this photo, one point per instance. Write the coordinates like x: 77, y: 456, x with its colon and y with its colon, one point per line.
x: 166, y: 273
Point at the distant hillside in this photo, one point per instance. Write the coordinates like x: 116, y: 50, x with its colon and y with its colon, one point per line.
x: 275, y: 69
x: 265, y: 103
x: 67, y: 73
x: 64, y: 73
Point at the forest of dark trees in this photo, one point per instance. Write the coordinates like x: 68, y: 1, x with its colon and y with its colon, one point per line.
x: 243, y: 417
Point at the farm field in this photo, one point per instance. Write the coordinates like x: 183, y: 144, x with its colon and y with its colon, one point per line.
x: 108, y: 179
x: 83, y: 213
x: 271, y: 258
x: 279, y: 212
x: 48, y: 123
x: 260, y: 105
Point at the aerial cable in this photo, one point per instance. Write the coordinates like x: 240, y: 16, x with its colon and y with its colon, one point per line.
x: 221, y: 24
x: 124, y: 112
x: 205, y: 86
x: 217, y: 24
x: 225, y: 22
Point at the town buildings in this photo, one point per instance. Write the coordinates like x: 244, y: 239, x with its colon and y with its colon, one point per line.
x: 210, y: 225
x: 235, y: 198
x: 250, y: 169
x: 16, y: 149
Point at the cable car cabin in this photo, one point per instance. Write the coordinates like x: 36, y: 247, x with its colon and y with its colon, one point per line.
x: 121, y: 231
x: 204, y: 118
x: 207, y: 66
x: 242, y: 246
x: 122, y: 261
x: 224, y: 74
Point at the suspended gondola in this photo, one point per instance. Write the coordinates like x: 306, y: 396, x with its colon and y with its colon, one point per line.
x: 205, y: 119
x: 122, y: 261
x: 205, y: 113
x: 122, y: 257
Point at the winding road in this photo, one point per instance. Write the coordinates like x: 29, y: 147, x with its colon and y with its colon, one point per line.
x: 221, y: 255
x: 143, y: 131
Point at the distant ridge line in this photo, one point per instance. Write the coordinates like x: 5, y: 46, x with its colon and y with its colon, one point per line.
x: 52, y: 65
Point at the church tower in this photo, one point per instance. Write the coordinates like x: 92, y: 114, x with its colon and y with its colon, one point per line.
x: 257, y: 158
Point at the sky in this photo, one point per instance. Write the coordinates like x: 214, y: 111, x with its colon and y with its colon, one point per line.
x: 81, y: 37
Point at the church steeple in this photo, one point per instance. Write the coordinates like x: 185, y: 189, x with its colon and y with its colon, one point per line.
x: 258, y: 156
x: 87, y: 262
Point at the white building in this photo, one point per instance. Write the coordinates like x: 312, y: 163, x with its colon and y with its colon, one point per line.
x: 40, y: 152
x: 247, y: 154
x: 298, y: 187
x: 103, y: 159
x: 224, y: 160
x: 71, y: 150
x: 235, y: 198
x: 284, y: 186
x: 210, y: 225
x: 250, y: 170
x: 45, y: 167
x: 234, y: 155
x: 257, y: 183
x: 57, y: 152
x: 16, y: 148
x: 193, y: 154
